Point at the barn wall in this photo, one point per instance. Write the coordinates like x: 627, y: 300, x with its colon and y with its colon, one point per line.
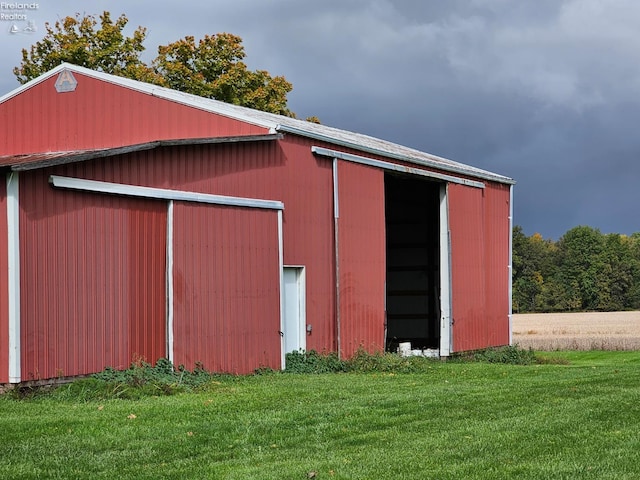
x: 479, y: 226
x: 307, y: 192
x: 92, y: 280
x: 282, y: 170
x: 4, y: 292
x: 119, y: 116
x: 285, y: 171
x: 226, y: 288
x: 361, y: 253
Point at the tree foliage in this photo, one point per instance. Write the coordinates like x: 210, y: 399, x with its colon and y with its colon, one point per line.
x: 213, y: 67
x: 583, y: 270
x: 79, y: 40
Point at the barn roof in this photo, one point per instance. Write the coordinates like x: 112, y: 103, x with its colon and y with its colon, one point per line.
x: 274, y: 123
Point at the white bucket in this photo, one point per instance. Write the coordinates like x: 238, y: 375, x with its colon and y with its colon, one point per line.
x: 404, y: 349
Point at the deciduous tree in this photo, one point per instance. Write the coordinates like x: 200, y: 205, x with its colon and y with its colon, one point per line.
x: 94, y: 43
x: 213, y: 67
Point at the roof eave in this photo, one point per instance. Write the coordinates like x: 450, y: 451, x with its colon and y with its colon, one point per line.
x: 51, y: 159
x: 459, y: 169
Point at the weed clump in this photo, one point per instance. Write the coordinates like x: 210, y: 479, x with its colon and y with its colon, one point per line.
x: 510, y: 354
x: 140, y: 380
x: 313, y: 362
x: 387, y: 362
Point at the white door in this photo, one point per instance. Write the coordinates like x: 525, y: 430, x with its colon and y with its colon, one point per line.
x: 294, y: 309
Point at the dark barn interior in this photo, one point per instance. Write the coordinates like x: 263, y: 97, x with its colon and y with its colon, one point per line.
x: 412, y: 206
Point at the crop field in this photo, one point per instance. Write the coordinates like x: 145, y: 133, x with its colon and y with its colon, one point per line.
x: 578, y: 331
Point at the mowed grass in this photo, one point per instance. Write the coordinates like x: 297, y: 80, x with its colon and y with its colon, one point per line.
x: 452, y: 421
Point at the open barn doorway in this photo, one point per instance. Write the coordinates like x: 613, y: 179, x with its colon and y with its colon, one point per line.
x: 412, y: 218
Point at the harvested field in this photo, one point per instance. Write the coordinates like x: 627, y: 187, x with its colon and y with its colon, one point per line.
x: 577, y: 331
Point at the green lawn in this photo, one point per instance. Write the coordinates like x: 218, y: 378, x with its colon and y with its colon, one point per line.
x: 454, y: 421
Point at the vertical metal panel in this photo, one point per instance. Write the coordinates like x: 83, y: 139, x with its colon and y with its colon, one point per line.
x: 361, y: 243
x: 119, y: 116
x: 466, y: 212
x: 92, y: 280
x: 479, y: 226
x: 4, y: 287
x: 497, y: 272
x: 226, y: 287
x: 305, y: 184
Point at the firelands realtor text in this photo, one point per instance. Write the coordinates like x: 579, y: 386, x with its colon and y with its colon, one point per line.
x: 16, y: 11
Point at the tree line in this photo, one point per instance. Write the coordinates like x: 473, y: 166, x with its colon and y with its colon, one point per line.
x: 583, y: 270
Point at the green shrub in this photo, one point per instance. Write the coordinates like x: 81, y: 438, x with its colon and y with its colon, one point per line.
x: 511, y: 354
x: 313, y: 362
x: 140, y: 380
x: 365, y: 362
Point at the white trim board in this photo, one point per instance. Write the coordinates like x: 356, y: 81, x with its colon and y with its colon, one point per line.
x: 446, y: 336
x: 350, y: 157
x: 169, y: 280
x: 13, y: 277
x: 283, y: 362
x: 161, y: 193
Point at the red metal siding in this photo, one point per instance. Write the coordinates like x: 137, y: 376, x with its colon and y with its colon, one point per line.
x: 361, y: 253
x: 4, y: 293
x: 479, y: 225
x: 307, y: 192
x: 284, y: 170
x: 99, y: 114
x: 497, y: 276
x: 92, y: 280
x: 226, y: 275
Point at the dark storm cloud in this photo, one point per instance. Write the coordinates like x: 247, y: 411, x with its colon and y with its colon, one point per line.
x: 545, y: 92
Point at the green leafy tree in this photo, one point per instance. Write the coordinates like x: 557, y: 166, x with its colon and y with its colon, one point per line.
x: 94, y: 43
x: 581, y: 266
x: 213, y: 67
x: 633, y: 295
x: 621, y: 273
x: 532, y: 268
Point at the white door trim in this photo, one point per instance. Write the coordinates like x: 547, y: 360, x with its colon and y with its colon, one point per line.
x: 301, y: 341
x: 13, y: 262
x: 445, y: 274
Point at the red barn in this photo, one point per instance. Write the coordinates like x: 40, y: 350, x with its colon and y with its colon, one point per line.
x: 138, y: 222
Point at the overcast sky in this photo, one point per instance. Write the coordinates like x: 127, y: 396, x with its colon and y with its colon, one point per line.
x: 543, y: 91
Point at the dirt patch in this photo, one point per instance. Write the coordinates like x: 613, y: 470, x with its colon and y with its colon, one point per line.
x: 577, y: 331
